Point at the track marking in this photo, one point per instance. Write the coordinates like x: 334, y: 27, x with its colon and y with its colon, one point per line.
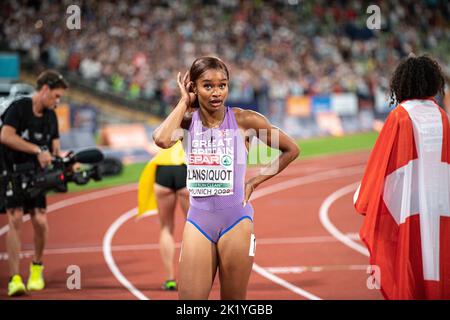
x: 302, y: 269
x: 130, y: 187
x: 79, y: 199
x: 107, y: 239
x: 155, y: 246
x: 268, y: 275
x: 322, y: 176
x: 300, y: 240
x: 326, y: 222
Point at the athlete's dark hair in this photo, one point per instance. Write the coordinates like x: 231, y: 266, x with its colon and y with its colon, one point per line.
x: 416, y: 78
x: 203, y: 64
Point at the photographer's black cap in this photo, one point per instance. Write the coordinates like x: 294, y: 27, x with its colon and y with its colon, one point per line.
x: 51, y: 78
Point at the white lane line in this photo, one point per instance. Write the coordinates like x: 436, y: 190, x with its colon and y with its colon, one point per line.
x: 302, y: 269
x: 268, y: 275
x: 326, y: 222
x: 79, y: 199
x: 300, y: 240
x: 107, y: 239
x: 155, y: 246
x: 322, y: 176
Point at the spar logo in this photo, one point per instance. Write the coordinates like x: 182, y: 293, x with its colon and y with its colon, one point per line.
x: 204, y: 159
x: 226, y: 160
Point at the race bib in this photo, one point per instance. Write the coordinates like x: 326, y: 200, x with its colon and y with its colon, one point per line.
x: 210, y: 169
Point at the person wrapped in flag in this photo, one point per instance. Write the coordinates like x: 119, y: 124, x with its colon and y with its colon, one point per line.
x: 405, y: 190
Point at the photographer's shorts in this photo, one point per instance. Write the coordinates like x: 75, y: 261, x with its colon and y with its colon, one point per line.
x: 27, y: 204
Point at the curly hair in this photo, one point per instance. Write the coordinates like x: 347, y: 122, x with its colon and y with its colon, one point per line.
x: 416, y: 78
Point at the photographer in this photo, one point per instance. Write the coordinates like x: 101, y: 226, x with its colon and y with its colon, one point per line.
x: 29, y: 138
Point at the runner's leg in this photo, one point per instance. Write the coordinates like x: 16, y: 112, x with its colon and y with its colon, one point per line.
x: 165, y: 198
x: 13, y: 239
x: 235, y: 263
x: 183, y: 197
x: 198, y: 265
x: 40, y: 226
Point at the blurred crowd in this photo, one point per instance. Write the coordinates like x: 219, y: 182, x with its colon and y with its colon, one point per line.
x: 274, y: 49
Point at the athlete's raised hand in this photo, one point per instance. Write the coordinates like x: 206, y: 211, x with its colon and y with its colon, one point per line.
x: 185, y: 85
x: 165, y: 135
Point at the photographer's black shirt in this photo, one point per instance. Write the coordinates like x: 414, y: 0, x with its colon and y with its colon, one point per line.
x: 38, y: 130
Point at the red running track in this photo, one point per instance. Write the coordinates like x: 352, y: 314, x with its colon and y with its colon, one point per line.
x: 296, y: 256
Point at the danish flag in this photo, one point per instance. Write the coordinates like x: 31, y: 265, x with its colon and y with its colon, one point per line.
x: 405, y: 197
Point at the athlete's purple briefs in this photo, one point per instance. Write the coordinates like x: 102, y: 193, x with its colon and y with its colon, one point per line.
x: 216, y: 164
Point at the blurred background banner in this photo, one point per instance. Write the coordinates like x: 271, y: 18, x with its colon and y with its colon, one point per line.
x: 330, y: 123
x: 299, y: 106
x: 128, y: 142
x: 84, y: 117
x: 344, y: 104
x: 124, y: 136
x: 9, y: 66
x: 321, y: 104
x: 63, y: 115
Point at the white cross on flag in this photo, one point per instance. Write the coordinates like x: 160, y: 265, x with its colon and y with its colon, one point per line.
x: 405, y: 196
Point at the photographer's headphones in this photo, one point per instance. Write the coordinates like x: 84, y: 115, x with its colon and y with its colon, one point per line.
x: 53, y: 82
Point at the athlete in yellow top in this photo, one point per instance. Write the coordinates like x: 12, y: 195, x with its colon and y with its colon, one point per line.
x: 162, y: 182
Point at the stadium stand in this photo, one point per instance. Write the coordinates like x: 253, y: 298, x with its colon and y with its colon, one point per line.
x: 317, y: 50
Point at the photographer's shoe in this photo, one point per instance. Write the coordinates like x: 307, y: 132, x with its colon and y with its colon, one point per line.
x: 16, y: 286
x: 36, y: 279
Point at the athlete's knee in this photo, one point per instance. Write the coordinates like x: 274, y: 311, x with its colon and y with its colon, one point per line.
x: 15, y: 218
x: 167, y: 230
x: 167, y: 223
x: 41, y: 226
x: 40, y: 221
x: 183, y: 192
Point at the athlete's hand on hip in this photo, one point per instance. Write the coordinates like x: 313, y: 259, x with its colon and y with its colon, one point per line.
x: 185, y: 85
x: 249, y: 188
